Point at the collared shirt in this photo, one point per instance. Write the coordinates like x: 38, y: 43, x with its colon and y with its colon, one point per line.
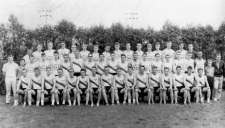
x: 219, y: 69
x: 10, y: 69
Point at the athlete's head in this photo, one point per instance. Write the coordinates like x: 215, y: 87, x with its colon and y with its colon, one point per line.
x: 178, y: 54
x: 166, y: 71
x: 50, y: 45
x: 157, y: 46
x: 157, y: 57
x: 10, y: 58
x: 112, y: 56
x: 139, y: 46
x: 106, y: 69
x: 94, y: 70
x: 181, y: 46
x: 128, y: 46
x: 149, y: 46
x: 144, y: 56
x: 66, y: 57
x: 107, y: 48
x: 218, y: 57
x: 83, y: 72
x: 117, y: 46
x: 95, y: 48
x: 199, y: 54
x: 90, y: 57
x: 190, y: 47
x: 22, y: 62
x: 154, y: 69
x: 178, y: 69
x: 135, y: 56
x: 37, y: 71
x: 101, y: 57
x: 169, y: 44
x: 200, y: 71
x: 73, y: 48
x: 123, y: 57
x: 84, y: 46
x: 130, y: 68
x: 56, y: 55
x: 39, y: 47
x: 118, y: 71
x: 141, y: 68
x: 189, y: 70
x: 71, y: 71
x: 43, y: 56
x: 209, y: 62
x: 48, y: 70
x: 60, y: 71
x: 63, y: 45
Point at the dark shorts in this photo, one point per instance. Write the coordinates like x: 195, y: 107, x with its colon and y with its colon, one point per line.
x: 156, y: 90
x: 107, y: 88
x: 76, y: 74
x: 95, y: 90
x: 48, y: 91
x: 113, y: 74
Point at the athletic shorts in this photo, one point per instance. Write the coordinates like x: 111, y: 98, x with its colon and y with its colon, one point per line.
x: 113, y: 74
x: 95, y: 90
x: 156, y: 90
x: 107, y: 88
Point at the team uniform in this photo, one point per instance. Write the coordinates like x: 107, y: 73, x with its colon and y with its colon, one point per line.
x: 49, y: 55
x: 55, y: 65
x: 199, y: 63
x: 100, y: 67
x: 37, y: 55
x: 63, y: 51
x: 118, y: 53
x: 77, y: 64
x: 139, y: 54
x: 88, y: 66
x: 158, y: 65
x: 23, y: 87
x: 112, y: 67
x: 129, y: 55
x: 95, y: 56
x: 155, y: 82
x: 123, y: 66
x: 150, y: 56
x: 66, y: 67
x: 169, y: 52
x: 84, y: 55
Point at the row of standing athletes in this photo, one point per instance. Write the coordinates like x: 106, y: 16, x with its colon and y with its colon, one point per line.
x: 146, y: 80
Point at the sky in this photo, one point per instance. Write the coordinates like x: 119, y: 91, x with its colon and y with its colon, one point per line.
x: 135, y: 13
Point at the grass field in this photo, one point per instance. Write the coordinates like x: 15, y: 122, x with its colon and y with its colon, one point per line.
x: 121, y: 116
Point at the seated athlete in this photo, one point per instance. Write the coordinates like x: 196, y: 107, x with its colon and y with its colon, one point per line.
x: 178, y: 82
x: 23, y: 86
x: 141, y: 84
x: 189, y: 83
x: 119, y: 85
x: 83, y: 87
x: 203, y: 86
x: 72, y: 88
x: 61, y: 85
x: 48, y: 86
x: 130, y: 82
x: 94, y: 81
x: 167, y: 85
x: 155, y: 85
x: 107, y: 83
x: 36, y: 83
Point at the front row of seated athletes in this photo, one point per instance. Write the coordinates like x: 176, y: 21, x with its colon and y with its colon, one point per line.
x: 126, y: 88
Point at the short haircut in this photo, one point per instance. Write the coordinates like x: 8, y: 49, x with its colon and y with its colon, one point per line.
x: 189, y: 67
x: 178, y: 67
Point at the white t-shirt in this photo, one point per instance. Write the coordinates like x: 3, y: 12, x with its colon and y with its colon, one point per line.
x: 49, y: 54
x: 10, y: 69
x: 169, y: 52
x: 37, y: 55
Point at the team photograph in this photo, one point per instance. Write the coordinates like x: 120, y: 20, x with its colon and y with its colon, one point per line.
x: 122, y: 76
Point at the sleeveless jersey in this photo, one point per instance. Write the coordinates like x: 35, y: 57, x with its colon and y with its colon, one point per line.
x: 36, y: 82
x: 61, y: 82
x: 94, y: 81
x: 155, y: 80
x: 49, y: 81
x: 83, y: 82
x: 142, y: 80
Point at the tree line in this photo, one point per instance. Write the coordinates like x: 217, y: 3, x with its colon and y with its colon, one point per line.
x: 16, y: 39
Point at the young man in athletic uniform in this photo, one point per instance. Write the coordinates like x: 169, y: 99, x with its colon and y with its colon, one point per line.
x: 107, y: 85
x: 199, y: 61
x: 73, y: 52
x: 122, y: 64
x: 10, y: 70
x: 191, y: 50
x: 188, y: 62
x: 89, y: 64
x: 101, y: 65
x: 95, y: 87
x: 119, y: 86
x: 155, y: 85
x: 146, y: 63
x: 150, y: 55
x: 30, y: 67
x: 84, y: 52
x: 66, y: 64
x: 209, y: 72
x: 83, y: 87
x: 139, y: 51
x: 219, y: 73
x: 77, y: 64
x: 23, y: 86
x: 178, y: 81
x: 61, y: 85
x: 157, y: 63
x: 36, y: 83
x: 43, y: 64
x: 157, y: 50
x: 141, y: 84
x: 168, y: 63
x: 49, y: 52
x: 37, y: 53
x: 106, y: 53
x: 63, y: 50
x: 95, y: 54
x: 168, y: 51
x: 112, y: 65
x: 128, y: 52
x: 203, y: 86
x: 183, y: 52
x: 130, y: 84
x: 179, y: 61
x: 135, y: 63
x: 56, y: 63
x: 48, y: 86
x: 117, y: 52
x: 72, y: 88
x: 167, y: 85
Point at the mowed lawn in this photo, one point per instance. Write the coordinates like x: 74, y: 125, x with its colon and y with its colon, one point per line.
x: 118, y: 116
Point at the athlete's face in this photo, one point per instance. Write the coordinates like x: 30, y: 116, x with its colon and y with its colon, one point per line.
x: 74, y: 48
x: 119, y: 71
x: 117, y: 47
x: 60, y: 72
x: 71, y: 72
x: 135, y: 56
x: 149, y: 47
x: 56, y: 55
x: 209, y: 62
x: 189, y: 71
x: 84, y: 47
x: 22, y: 62
x: 144, y: 57
x: 169, y: 44
x: 39, y: 47
x: 154, y: 70
x: 130, y: 70
x: 63, y: 45
x: 157, y: 46
x: 106, y: 70
x: 37, y: 72
x: 96, y: 49
x: 48, y: 70
x: 142, y: 69
x: 166, y: 70
x: 128, y: 46
x: 107, y: 48
x: 218, y: 57
x: 181, y: 46
x: 190, y: 47
x: 200, y: 54
x: 200, y: 72
x: 50, y: 46
x: 82, y: 73
x: 123, y: 58
x: 94, y: 70
x: 178, y: 70
x: 138, y: 46
x: 66, y: 58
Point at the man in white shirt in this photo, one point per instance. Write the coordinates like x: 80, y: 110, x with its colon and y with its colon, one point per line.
x: 168, y: 51
x: 27, y: 56
x: 183, y: 52
x: 128, y: 52
x: 149, y: 53
x: 139, y: 51
x: 63, y: 50
x: 37, y: 53
x: 10, y: 70
x: 117, y: 51
x: 49, y: 52
x: 106, y: 53
x: 84, y: 52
